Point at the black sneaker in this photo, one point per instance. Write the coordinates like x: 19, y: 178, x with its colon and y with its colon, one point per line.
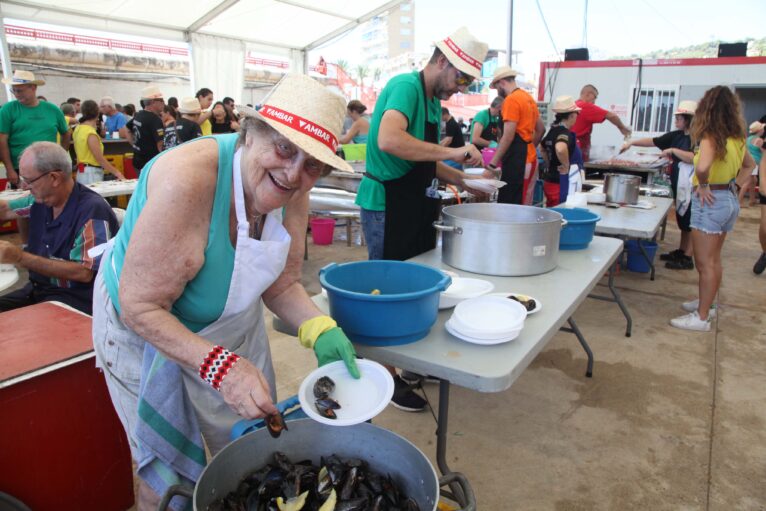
x: 405, y: 399
x: 672, y: 255
x: 682, y: 263
x: 760, y: 264
x: 415, y: 378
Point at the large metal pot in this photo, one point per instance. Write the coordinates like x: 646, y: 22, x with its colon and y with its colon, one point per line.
x: 385, y: 451
x: 622, y: 188
x: 500, y: 239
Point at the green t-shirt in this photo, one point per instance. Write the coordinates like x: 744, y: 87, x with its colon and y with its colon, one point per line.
x: 25, y: 125
x: 404, y: 94
x: 485, y: 119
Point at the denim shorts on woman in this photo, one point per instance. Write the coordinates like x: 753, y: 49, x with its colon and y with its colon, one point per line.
x: 718, y: 217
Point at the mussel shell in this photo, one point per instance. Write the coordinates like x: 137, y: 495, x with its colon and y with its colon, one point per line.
x: 275, y: 424
x: 323, y: 387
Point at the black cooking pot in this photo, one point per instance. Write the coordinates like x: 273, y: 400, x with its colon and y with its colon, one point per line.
x: 385, y: 451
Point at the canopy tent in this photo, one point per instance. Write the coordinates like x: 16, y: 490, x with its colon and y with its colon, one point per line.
x: 218, y: 31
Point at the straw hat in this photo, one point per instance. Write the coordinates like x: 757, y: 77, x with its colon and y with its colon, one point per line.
x: 565, y: 104
x: 23, y: 78
x: 308, y: 114
x: 756, y: 127
x: 502, y: 72
x: 686, y: 107
x: 464, y: 51
x: 151, y: 92
x: 189, y: 106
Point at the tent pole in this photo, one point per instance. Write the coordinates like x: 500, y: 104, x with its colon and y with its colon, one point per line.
x: 510, y: 33
x: 5, y: 55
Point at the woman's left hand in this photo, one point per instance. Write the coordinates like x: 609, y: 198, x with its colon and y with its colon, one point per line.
x: 668, y: 153
x: 333, y: 345
x: 705, y: 195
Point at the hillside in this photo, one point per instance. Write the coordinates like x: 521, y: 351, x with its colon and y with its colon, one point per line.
x: 756, y: 47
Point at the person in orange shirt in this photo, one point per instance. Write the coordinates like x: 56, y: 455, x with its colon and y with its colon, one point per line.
x: 522, y: 131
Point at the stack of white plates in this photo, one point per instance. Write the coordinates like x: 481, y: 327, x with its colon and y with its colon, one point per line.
x: 462, y: 289
x: 487, y: 320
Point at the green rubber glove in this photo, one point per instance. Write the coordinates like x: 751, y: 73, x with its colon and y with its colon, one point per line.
x: 334, y: 345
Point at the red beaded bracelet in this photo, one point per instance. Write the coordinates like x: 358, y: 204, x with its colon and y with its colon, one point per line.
x: 216, y: 366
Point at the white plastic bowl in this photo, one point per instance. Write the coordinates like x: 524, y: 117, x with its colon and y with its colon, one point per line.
x: 492, y: 315
x: 360, y: 400
x: 462, y: 289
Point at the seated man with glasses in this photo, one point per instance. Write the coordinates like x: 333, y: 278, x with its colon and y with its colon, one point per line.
x: 66, y: 219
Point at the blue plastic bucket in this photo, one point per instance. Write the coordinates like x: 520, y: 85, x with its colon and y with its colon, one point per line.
x: 402, y: 313
x: 636, y: 260
x: 578, y: 232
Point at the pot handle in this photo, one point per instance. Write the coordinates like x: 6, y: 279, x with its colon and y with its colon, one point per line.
x: 564, y: 222
x: 465, y: 487
x: 447, y: 228
x: 177, y: 490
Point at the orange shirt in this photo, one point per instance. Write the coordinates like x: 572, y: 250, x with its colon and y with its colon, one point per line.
x: 520, y: 107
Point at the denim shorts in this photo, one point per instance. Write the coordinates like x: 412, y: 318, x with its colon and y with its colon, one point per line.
x: 374, y: 228
x: 718, y: 217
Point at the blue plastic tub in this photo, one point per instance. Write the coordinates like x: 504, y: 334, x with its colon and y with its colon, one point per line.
x: 402, y: 313
x: 636, y: 260
x: 578, y: 232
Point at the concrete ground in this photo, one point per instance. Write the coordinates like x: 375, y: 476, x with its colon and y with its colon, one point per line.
x: 671, y: 420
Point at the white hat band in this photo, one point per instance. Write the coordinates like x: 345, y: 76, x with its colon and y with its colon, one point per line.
x: 301, y: 125
x: 463, y: 55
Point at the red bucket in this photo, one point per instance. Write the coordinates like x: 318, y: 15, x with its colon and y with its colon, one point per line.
x: 322, y: 230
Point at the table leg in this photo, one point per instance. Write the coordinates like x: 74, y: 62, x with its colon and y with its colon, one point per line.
x: 616, y: 298
x: 441, y: 440
x: 663, y: 227
x: 572, y: 329
x: 648, y: 259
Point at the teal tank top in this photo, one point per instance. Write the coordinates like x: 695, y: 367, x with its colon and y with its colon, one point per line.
x: 204, y: 297
x: 360, y: 139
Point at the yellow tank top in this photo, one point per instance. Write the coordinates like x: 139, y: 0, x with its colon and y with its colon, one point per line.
x: 84, y: 154
x: 206, y: 127
x: 723, y: 171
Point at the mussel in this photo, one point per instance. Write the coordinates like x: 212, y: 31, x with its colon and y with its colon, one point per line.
x: 528, y: 303
x: 323, y: 387
x: 275, y: 424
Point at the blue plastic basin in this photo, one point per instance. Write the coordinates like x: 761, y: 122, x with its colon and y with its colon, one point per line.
x: 402, y: 313
x: 578, y: 232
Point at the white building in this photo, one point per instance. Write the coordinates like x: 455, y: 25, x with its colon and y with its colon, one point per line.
x: 644, y: 93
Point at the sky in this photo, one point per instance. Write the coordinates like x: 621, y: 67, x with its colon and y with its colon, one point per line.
x: 614, y: 27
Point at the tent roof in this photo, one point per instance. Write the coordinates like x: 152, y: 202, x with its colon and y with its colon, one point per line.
x: 271, y: 24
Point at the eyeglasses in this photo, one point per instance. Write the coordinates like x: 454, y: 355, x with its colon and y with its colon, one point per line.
x: 30, y: 182
x: 463, y: 79
x: 18, y: 90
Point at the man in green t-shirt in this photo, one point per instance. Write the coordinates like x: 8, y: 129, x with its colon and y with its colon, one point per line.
x: 398, y: 197
x: 27, y: 120
x: 487, y: 127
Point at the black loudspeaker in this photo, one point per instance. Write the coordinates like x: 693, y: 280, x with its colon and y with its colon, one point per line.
x: 732, y: 50
x: 576, y: 54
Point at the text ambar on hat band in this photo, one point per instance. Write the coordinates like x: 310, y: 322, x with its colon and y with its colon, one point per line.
x: 301, y: 125
x: 463, y: 55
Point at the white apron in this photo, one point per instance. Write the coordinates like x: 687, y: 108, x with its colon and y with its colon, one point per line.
x: 240, y: 329
x: 684, y: 187
x: 575, y: 180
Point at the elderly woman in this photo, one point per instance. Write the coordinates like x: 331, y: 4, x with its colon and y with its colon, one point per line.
x: 178, y: 324
x: 357, y: 133
x: 722, y: 159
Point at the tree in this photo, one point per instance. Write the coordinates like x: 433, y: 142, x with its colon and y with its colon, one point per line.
x: 376, y: 74
x: 362, y: 72
x: 343, y: 64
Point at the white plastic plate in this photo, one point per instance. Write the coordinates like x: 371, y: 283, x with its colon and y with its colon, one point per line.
x: 473, y: 340
x: 463, y: 289
x: 360, y: 400
x: 490, y: 314
x: 522, y: 296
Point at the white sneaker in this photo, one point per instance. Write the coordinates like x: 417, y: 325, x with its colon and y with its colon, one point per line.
x: 691, y: 321
x: 693, y: 305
